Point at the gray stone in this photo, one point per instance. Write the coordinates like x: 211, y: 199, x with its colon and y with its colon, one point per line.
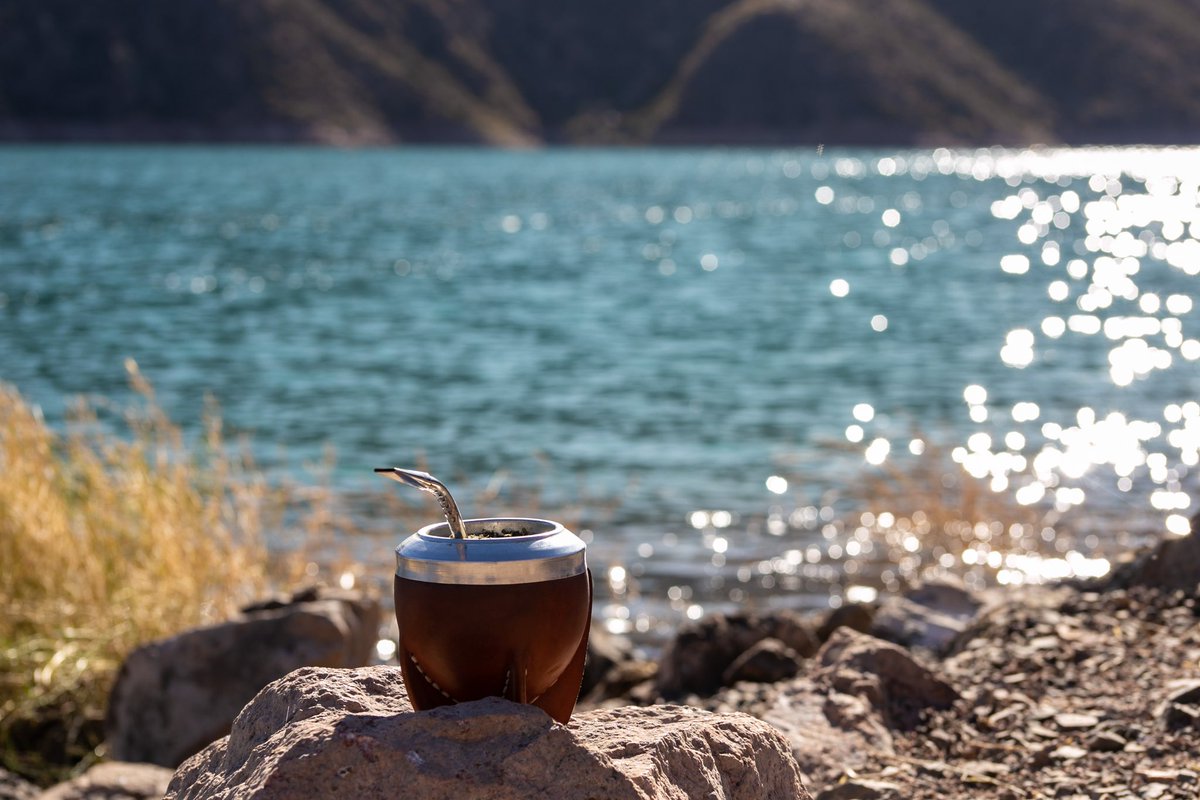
x: 857, y: 616
x: 913, y: 625
x: 767, y: 661
x: 114, y: 780
x: 946, y: 595
x: 324, y: 733
x: 173, y: 697
x: 931, y: 616
x: 695, y: 661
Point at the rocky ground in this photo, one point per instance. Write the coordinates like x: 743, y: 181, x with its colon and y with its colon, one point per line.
x: 1037, y: 692
x: 1075, y: 695
x: 1032, y: 692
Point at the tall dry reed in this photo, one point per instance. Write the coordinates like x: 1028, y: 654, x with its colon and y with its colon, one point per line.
x: 108, y: 538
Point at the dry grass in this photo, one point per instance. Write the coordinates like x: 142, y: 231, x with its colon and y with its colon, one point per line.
x: 940, y: 512
x: 118, y: 532
x: 925, y: 516
x: 108, y: 540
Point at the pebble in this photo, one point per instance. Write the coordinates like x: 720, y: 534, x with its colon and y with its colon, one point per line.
x: 1043, y: 731
x: 986, y: 769
x: 1106, y: 742
x: 1159, y: 774
x: 1044, y: 712
x: 1076, y: 722
x: 1069, y: 752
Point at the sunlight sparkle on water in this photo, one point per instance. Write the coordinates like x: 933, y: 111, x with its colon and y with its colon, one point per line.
x: 861, y: 594
x: 1025, y: 568
x: 1015, y: 264
x: 877, y: 452
x: 1018, y: 348
x: 1145, y: 206
x: 1178, y: 525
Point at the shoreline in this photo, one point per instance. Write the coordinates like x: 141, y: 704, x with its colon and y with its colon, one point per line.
x: 881, y: 136
x: 1047, y: 692
x: 1078, y: 689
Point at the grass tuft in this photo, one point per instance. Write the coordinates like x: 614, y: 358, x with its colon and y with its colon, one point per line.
x: 109, y: 539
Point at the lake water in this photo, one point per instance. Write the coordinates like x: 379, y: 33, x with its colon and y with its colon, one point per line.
x: 696, y: 346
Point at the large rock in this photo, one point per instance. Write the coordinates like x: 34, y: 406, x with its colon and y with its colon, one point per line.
x: 1171, y: 565
x: 884, y: 674
x: 829, y: 731
x: 696, y: 660
x: 841, y: 713
x: 114, y: 780
x: 173, y: 697
x: 322, y: 733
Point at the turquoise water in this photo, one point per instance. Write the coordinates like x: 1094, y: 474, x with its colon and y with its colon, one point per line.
x: 675, y: 330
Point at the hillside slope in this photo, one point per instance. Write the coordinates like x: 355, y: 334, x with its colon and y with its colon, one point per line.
x: 518, y: 72
x: 1116, y: 70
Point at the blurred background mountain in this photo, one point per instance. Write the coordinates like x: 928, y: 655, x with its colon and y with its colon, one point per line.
x: 515, y: 72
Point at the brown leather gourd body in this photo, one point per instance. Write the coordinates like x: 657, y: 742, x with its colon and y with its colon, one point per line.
x: 523, y: 641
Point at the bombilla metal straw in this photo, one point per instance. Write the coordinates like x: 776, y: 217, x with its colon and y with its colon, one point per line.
x: 427, y: 483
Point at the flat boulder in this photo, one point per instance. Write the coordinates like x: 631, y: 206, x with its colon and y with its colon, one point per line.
x: 173, y: 697
x: 328, y: 733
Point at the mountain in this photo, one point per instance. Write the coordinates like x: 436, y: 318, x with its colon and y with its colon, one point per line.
x: 521, y: 72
